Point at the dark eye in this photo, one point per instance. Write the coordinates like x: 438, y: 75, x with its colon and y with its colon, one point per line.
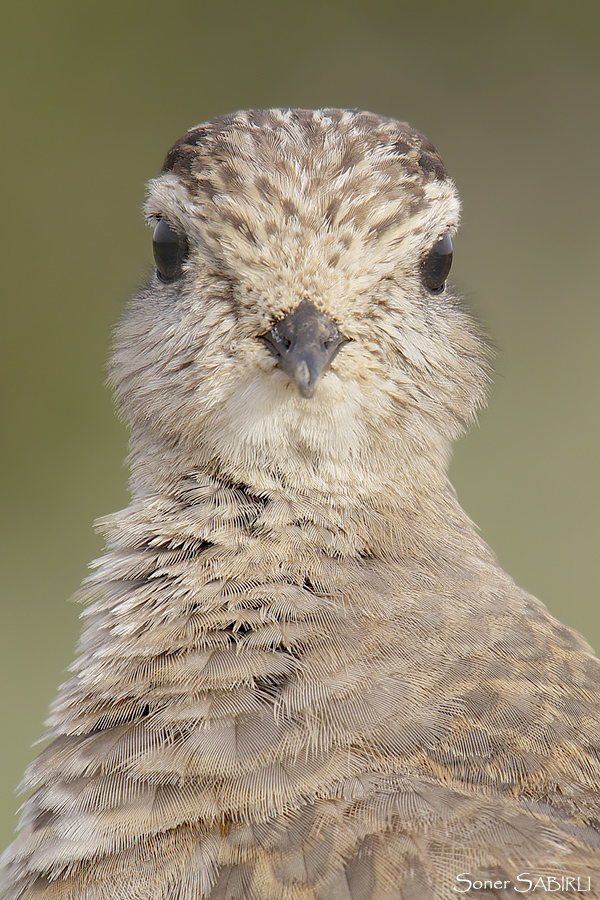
x: 436, y: 265
x: 170, y: 250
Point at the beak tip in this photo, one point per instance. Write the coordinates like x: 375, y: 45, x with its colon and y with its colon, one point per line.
x: 304, y: 379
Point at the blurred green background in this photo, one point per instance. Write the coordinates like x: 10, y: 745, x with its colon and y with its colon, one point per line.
x: 93, y: 96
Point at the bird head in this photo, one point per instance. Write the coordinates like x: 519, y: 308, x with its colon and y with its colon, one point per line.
x: 298, y: 323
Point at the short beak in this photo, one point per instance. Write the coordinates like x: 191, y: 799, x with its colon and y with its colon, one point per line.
x: 304, y: 343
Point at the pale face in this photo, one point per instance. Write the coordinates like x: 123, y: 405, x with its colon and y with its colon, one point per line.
x: 335, y: 209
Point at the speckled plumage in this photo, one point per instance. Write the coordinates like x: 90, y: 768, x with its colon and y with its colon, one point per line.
x: 302, y: 674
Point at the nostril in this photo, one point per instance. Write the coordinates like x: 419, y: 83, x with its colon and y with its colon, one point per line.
x: 276, y: 342
x: 335, y: 341
x: 282, y: 340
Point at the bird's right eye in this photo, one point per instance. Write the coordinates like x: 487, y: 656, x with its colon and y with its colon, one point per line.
x: 170, y: 251
x: 436, y: 265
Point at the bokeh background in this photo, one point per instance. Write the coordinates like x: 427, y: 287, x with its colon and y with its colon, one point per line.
x: 93, y: 94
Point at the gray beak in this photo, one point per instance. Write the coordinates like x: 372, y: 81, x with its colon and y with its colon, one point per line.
x: 304, y: 343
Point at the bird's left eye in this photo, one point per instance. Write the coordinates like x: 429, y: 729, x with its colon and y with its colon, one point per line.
x: 436, y: 265
x: 170, y: 250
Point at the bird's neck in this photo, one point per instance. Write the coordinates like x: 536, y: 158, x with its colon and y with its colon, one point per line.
x: 294, y: 523
x: 195, y: 571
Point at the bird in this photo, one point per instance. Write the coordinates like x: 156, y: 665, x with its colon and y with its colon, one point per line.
x: 302, y: 674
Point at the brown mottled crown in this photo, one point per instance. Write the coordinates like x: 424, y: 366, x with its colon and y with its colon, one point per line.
x: 268, y: 181
x: 258, y: 132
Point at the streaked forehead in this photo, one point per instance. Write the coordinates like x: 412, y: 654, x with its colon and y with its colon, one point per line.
x: 310, y: 149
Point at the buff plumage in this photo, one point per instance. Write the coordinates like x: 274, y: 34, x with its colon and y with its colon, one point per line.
x: 302, y: 675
